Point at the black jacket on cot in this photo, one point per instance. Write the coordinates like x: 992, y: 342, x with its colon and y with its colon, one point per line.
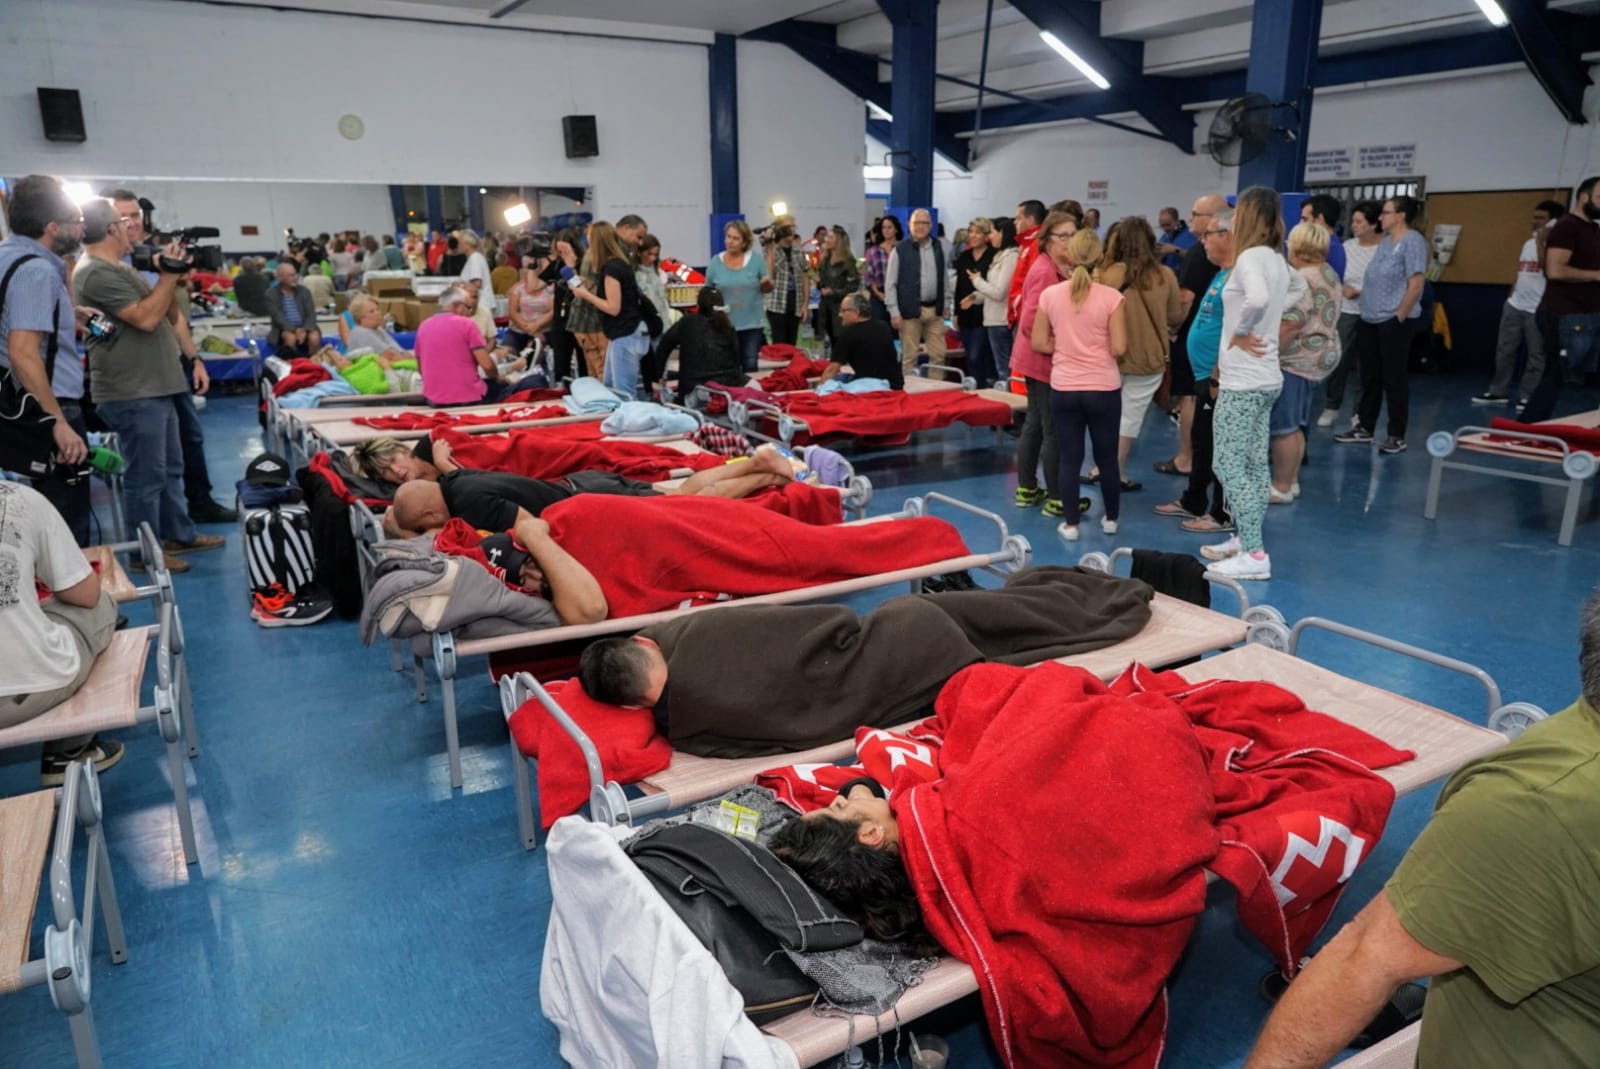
x: 338, y: 570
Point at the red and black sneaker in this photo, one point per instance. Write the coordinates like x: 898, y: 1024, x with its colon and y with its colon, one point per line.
x: 273, y: 606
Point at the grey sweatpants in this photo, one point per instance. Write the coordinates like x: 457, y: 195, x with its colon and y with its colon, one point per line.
x: 91, y: 630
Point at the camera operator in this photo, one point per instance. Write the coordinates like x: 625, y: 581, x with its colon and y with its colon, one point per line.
x: 203, y: 508
x: 791, y: 288
x: 137, y: 379
x: 38, y: 344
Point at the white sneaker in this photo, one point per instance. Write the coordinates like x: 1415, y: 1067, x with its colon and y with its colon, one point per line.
x: 1329, y: 417
x: 1108, y: 526
x: 1070, y: 533
x: 1222, y: 550
x: 1278, y: 497
x: 1294, y: 490
x: 1243, y: 566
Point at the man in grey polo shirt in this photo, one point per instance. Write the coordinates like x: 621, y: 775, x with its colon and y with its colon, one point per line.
x: 914, y: 291
x: 38, y: 333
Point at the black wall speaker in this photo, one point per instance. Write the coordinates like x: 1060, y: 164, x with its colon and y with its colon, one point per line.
x: 62, y: 112
x: 581, y: 137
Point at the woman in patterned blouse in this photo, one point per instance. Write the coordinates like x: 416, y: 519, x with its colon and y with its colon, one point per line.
x: 1308, y: 351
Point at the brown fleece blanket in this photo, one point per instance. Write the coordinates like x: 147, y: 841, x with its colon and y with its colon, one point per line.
x: 755, y: 680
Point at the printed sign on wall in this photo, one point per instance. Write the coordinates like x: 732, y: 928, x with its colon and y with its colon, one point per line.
x: 1388, y: 159
x: 1330, y: 163
x: 1099, y: 190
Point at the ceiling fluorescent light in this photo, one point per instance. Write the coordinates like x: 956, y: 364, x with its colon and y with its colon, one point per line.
x: 878, y: 113
x: 877, y: 172
x: 1089, y: 72
x: 1492, y: 12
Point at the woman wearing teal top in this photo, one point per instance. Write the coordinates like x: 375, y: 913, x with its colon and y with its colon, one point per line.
x: 742, y: 278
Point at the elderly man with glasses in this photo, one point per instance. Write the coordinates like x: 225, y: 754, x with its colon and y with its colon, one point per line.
x: 914, y: 290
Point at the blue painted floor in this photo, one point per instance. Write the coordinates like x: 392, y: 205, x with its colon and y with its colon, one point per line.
x: 347, y: 911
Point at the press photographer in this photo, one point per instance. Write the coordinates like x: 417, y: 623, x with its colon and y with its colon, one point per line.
x: 137, y: 379
x: 137, y: 215
x: 41, y: 377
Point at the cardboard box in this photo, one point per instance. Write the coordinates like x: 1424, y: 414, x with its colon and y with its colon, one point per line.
x: 414, y: 312
x: 341, y: 301
x: 399, y: 286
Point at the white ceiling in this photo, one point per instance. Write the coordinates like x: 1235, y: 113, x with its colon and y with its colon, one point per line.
x: 1181, y: 37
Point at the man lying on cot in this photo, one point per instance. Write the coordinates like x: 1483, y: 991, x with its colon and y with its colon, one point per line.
x: 837, y: 671
x: 491, y: 501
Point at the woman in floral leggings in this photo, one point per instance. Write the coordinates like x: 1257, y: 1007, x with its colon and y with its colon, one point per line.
x: 1248, y: 376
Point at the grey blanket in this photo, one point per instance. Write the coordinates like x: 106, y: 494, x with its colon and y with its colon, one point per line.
x: 410, y: 598
x: 755, y: 680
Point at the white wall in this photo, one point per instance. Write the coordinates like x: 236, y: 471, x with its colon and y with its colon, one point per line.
x: 800, y: 140
x: 1473, y: 131
x: 308, y: 207
x: 133, y: 61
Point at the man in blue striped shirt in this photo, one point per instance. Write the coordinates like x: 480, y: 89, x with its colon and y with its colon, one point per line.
x: 38, y: 320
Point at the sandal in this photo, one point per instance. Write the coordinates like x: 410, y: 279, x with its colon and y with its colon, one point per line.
x: 1206, y: 525
x: 1131, y: 487
x: 1174, y: 508
x: 1091, y: 479
x: 1403, y: 1009
x: 1167, y: 467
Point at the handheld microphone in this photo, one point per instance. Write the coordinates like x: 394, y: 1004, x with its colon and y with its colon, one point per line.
x: 571, y: 277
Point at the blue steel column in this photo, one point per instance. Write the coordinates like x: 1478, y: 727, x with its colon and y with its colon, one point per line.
x: 474, y: 201
x: 434, y: 198
x: 724, y: 70
x: 1283, y: 54
x: 911, y: 99
x: 397, y: 204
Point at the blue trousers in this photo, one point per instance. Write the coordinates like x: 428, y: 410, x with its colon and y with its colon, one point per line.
x: 152, y: 485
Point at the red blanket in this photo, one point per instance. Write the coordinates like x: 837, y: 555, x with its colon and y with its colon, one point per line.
x: 433, y: 419
x: 889, y: 413
x: 1578, y: 437
x: 1141, y: 790
x: 797, y: 375
x: 528, y: 452
x: 302, y: 373
x: 629, y: 747
x: 652, y: 554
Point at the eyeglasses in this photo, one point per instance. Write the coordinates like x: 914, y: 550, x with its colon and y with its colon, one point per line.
x: 1061, y: 235
x: 1213, y: 232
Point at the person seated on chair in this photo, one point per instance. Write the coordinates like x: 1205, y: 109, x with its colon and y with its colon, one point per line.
x: 839, y: 671
x: 1494, y: 901
x: 490, y: 500
x: 293, y: 313
x: 368, y: 331
x: 51, y: 644
x: 864, y: 343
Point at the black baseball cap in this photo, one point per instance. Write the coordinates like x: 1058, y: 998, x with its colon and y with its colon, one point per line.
x: 268, y: 469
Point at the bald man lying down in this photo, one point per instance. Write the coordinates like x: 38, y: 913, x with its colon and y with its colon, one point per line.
x: 491, y: 500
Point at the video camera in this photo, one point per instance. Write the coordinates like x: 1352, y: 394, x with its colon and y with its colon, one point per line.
x: 307, y: 249
x: 774, y: 233
x: 536, y: 244
x: 195, y: 257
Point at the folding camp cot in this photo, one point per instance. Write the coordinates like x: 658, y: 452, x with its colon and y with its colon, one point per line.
x: 109, y: 701
x: 571, y: 986
x: 26, y: 822
x: 1011, y: 552
x: 1577, y: 466
x: 1177, y: 631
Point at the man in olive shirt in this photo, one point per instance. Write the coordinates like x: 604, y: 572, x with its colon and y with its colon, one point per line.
x: 1496, y: 900
x: 135, y: 375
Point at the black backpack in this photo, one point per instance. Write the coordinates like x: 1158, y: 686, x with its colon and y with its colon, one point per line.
x: 27, y: 431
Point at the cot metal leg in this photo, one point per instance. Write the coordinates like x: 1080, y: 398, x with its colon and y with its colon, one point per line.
x: 526, y: 824
x: 186, y: 705
x: 1569, y: 515
x: 1435, y: 475
x: 119, y: 522
x: 396, y: 657
x: 451, y: 740
x: 420, y: 676
x: 84, y: 1042
x: 180, y: 798
x: 106, y: 890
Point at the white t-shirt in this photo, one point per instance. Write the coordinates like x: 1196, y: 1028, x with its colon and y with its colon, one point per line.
x: 1257, y: 291
x: 34, y: 542
x: 477, y: 266
x: 1528, y: 290
x: 1356, y: 258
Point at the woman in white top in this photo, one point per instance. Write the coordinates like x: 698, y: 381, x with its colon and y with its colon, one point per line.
x: 1357, y: 255
x: 1248, y: 376
x: 476, y: 267
x: 995, y: 286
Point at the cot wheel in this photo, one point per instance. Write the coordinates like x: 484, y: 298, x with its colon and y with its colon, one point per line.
x: 787, y: 429
x: 1019, y: 551
x: 67, y: 960
x: 1264, y: 614
x: 1512, y: 719
x: 1096, y: 561
x: 1578, y: 465
x: 1441, y: 444
x: 1268, y: 633
x: 609, y: 805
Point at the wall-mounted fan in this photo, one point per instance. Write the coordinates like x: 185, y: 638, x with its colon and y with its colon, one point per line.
x: 1243, y: 128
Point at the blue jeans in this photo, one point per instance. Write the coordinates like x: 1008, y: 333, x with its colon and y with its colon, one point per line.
x: 152, y: 486
x: 196, y: 477
x: 623, y: 356
x: 1000, y: 349
x: 980, y: 364
x: 750, y: 343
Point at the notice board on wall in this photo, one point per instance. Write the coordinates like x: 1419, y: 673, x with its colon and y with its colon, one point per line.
x: 1493, y: 227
